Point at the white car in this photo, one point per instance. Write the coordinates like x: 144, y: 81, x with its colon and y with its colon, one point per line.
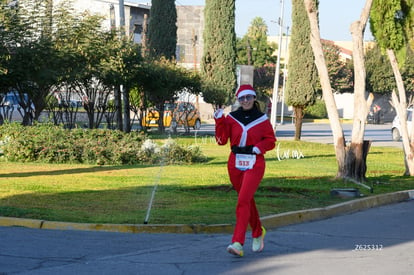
x: 396, y: 125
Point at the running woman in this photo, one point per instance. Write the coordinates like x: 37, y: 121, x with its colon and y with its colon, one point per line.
x: 251, y: 135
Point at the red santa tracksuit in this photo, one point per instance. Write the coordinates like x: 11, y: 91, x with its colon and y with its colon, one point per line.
x: 258, y: 133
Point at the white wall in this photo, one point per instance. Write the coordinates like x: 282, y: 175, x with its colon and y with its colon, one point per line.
x: 345, y: 105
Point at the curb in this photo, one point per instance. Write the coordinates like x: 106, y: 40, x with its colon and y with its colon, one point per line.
x: 352, y: 206
x: 270, y: 222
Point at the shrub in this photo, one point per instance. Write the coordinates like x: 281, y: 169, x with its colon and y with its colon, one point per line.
x: 54, y: 144
x: 317, y: 110
x: 174, y: 153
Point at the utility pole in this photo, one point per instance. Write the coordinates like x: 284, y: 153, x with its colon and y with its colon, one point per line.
x: 144, y: 36
x: 273, y: 114
x: 284, y: 76
x: 249, y: 53
x: 122, y: 17
x: 194, y: 40
x: 112, y: 16
x: 117, y: 90
x: 124, y: 89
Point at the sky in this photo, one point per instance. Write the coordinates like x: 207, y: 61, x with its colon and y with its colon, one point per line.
x: 335, y: 16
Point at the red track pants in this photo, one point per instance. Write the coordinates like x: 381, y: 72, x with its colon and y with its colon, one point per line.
x: 246, y: 184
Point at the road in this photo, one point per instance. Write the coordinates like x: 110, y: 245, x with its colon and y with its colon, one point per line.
x: 379, y: 134
x: 376, y: 241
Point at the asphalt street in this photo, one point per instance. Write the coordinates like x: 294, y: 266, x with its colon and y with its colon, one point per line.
x: 379, y: 134
x: 374, y: 241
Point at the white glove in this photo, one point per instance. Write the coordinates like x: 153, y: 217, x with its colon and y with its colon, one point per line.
x: 218, y: 113
x: 256, y: 150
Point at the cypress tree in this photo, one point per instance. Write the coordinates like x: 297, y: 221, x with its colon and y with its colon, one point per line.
x: 303, y: 78
x: 218, y: 66
x: 162, y: 29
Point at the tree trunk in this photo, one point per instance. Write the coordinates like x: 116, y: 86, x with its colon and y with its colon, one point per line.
x: 357, y: 151
x: 401, y: 108
x: 340, y: 153
x: 161, y: 126
x: 126, y: 110
x: 298, y: 122
x: 351, y: 160
x: 118, y: 107
x: 355, y: 160
x: 337, y: 131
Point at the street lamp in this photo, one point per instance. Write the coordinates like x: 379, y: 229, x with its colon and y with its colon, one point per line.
x: 273, y: 114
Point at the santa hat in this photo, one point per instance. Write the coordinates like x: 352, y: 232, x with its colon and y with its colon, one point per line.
x: 245, y: 89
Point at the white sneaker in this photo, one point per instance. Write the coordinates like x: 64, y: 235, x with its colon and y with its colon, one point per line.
x: 258, y: 243
x: 235, y: 249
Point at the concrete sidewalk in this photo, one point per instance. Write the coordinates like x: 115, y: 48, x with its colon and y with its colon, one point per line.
x: 378, y: 240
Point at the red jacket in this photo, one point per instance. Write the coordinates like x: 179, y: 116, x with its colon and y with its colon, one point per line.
x: 258, y: 133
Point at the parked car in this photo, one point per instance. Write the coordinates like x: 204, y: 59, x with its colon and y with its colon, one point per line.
x: 175, y: 115
x: 396, y: 125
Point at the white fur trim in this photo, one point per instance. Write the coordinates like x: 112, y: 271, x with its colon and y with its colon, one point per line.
x: 246, y: 128
x: 246, y: 92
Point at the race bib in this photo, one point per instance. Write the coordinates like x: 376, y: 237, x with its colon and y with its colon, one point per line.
x: 245, y: 162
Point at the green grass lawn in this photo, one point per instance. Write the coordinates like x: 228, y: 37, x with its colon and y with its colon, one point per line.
x: 186, y: 194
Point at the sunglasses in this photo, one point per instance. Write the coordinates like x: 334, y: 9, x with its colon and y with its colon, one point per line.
x: 245, y: 98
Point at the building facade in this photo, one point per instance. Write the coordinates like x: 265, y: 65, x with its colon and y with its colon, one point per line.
x: 134, y: 13
x: 190, y: 26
